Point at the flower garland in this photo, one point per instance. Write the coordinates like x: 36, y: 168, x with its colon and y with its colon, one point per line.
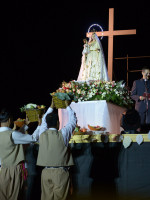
x: 111, y: 91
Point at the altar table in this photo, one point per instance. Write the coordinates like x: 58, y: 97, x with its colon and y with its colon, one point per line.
x: 95, y: 113
x: 110, y: 171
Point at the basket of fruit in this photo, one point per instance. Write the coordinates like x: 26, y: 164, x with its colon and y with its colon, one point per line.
x: 19, y: 122
x: 59, y: 99
x: 33, y: 111
x: 58, y: 102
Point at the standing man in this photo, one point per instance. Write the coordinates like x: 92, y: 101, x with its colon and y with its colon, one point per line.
x: 11, y: 158
x: 140, y: 93
x: 54, y: 154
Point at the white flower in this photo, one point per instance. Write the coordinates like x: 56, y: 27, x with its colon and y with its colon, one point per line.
x: 103, y: 94
x: 78, y: 91
x: 31, y: 105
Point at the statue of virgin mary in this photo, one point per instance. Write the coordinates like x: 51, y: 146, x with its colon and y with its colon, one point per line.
x: 93, y: 65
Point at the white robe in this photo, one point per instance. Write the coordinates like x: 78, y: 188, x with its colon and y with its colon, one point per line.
x: 93, y: 66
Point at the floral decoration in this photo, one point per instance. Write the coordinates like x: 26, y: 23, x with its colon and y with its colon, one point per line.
x: 111, y: 91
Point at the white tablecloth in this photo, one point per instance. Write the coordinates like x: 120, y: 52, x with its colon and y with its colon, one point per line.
x: 95, y: 113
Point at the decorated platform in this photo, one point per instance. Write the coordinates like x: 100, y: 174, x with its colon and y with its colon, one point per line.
x: 109, y: 169
x: 97, y: 103
x: 80, y: 91
x: 95, y: 113
x: 103, y: 137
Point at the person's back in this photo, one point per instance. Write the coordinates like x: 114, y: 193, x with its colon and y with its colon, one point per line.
x: 130, y: 122
x: 10, y: 154
x: 57, y: 153
x: 54, y: 154
x: 11, y: 158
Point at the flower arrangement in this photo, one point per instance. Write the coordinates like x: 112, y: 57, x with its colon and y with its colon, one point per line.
x: 111, y: 91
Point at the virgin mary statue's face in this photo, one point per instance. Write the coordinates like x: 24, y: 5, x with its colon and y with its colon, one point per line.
x: 93, y: 37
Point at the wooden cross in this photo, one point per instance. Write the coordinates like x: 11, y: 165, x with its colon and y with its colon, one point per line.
x: 111, y: 33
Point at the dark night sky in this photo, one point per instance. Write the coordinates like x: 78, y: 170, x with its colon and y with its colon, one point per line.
x: 41, y: 45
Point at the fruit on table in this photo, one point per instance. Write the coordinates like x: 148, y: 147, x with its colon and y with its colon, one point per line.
x: 76, y: 129
x: 83, y: 130
x: 94, y: 127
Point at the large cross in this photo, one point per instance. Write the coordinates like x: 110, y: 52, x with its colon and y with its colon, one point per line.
x: 111, y: 33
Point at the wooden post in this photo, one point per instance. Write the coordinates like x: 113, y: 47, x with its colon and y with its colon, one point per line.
x: 127, y: 70
x: 111, y: 33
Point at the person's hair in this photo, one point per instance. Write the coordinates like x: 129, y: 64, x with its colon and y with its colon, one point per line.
x: 4, y: 115
x: 145, y: 68
x: 130, y: 120
x: 52, y: 119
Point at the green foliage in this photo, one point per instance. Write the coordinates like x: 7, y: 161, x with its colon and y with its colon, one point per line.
x: 66, y: 96
x: 111, y: 91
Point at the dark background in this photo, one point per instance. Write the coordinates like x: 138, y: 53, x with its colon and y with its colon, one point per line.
x: 41, y: 45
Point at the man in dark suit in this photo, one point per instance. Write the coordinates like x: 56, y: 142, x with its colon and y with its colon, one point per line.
x: 139, y: 93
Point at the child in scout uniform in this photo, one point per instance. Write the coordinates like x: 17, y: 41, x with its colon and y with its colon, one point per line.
x: 11, y: 158
x: 54, y: 154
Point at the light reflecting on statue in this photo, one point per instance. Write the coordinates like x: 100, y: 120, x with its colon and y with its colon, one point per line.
x: 93, y: 65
